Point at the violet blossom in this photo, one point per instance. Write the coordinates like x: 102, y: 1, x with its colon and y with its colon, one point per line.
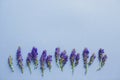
x: 92, y: 58
x: 43, y: 61
x: 74, y: 59
x: 34, y: 55
x: 57, y: 55
x: 77, y: 59
x: 102, y: 58
x: 63, y: 59
x: 48, y: 61
x: 28, y: 61
x: 20, y: 59
x: 85, y: 59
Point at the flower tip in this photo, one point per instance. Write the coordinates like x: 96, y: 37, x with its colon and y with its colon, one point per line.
x: 85, y: 51
x: 101, y: 51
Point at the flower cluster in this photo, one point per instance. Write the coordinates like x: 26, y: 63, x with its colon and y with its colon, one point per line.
x: 74, y: 59
x: 48, y: 61
x: 28, y: 61
x: 85, y: 59
x: 20, y: 59
x: 102, y: 58
x: 92, y: 58
x: 34, y: 55
x: 10, y: 62
x: 77, y: 59
x: 57, y: 55
x: 42, y: 61
x: 63, y: 59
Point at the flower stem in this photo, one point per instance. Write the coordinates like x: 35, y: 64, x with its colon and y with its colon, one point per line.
x: 11, y: 66
x: 42, y: 72
x: 61, y: 65
x: 57, y: 63
x: 22, y: 70
x: 86, y: 66
x: 73, y: 65
x: 29, y: 68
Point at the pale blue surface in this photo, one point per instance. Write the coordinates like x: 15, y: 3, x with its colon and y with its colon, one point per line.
x: 68, y: 24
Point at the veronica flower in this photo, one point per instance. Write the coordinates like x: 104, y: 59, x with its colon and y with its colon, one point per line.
x: 63, y: 59
x: 10, y: 62
x: 34, y: 54
x: 92, y: 58
x: 28, y: 61
x: 77, y: 59
x: 103, y: 60
x: 100, y: 56
x: 85, y: 59
x: 48, y: 61
x: 20, y: 59
x: 72, y: 59
x: 42, y: 61
x: 57, y: 54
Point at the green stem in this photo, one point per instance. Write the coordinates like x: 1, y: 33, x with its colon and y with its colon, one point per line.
x: 49, y: 65
x: 36, y: 64
x: 42, y: 69
x: 73, y: 65
x: 57, y: 63
x: 61, y: 65
x: 11, y: 66
x: 29, y: 68
x: 42, y: 72
x: 22, y: 70
x: 86, y: 68
x: 62, y: 69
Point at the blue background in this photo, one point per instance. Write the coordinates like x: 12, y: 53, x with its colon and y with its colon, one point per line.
x: 68, y: 24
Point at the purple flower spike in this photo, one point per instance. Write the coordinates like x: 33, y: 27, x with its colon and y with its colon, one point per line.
x: 57, y: 54
x: 85, y: 51
x: 101, y: 51
x: 101, y: 58
x: 85, y: 58
x: 42, y: 61
x: 100, y: 54
x: 92, y: 58
x: 20, y: 59
x: 10, y: 62
x: 104, y: 60
x: 73, y: 55
x: 77, y: 59
x: 72, y: 59
x: 34, y: 54
x: 28, y: 61
x: 48, y: 61
x: 63, y: 59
